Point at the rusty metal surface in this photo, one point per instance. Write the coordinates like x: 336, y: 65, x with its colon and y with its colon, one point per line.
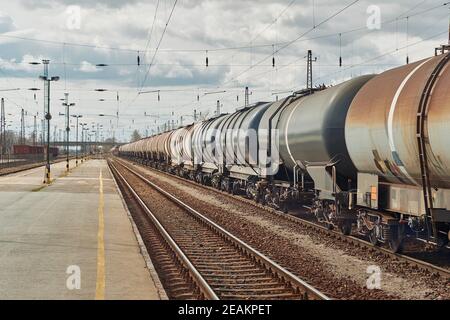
x: 160, y: 145
x: 381, y: 125
x: 439, y: 130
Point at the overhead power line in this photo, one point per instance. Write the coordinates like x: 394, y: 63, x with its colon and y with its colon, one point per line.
x: 202, y: 50
x: 296, y: 39
x: 151, y: 31
x: 385, y: 54
x: 159, y: 44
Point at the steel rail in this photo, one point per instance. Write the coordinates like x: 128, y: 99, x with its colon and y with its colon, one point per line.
x: 300, y: 221
x: 29, y: 166
x: 203, y: 286
x: 302, y: 286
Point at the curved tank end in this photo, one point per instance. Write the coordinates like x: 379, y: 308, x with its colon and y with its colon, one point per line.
x: 312, y: 128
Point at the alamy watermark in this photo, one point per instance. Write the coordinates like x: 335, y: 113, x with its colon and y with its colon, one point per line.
x: 374, y: 19
x: 374, y: 280
x: 73, y: 281
x: 73, y: 21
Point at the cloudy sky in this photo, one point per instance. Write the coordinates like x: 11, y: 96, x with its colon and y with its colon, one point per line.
x: 239, y: 38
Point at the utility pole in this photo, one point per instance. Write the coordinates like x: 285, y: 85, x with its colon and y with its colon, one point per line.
x: 83, y: 147
x: 218, y: 108
x: 47, y: 113
x: 22, y: 127
x: 444, y: 48
x: 34, y: 131
x: 2, y: 128
x: 309, y: 71
x: 77, y: 146
x: 97, y: 137
x: 42, y: 132
x: 67, y: 105
x: 247, y: 98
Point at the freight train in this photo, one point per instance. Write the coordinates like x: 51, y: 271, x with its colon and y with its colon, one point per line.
x: 33, y: 151
x: 371, y: 154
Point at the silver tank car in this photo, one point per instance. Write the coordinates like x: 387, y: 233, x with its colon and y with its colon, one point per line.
x: 239, y: 140
x: 311, y: 129
x: 203, y: 142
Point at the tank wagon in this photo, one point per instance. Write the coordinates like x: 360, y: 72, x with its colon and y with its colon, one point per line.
x: 370, y: 153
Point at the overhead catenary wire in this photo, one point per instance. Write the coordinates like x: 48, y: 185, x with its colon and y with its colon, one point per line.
x: 159, y: 44
x: 154, y: 55
x: 299, y: 37
x: 151, y: 31
x: 273, y: 22
x: 386, y: 53
x: 199, y: 50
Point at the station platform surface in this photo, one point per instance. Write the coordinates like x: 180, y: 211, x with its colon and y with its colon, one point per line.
x: 72, y: 239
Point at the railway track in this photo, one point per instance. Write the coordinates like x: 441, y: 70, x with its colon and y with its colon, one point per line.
x: 197, y: 257
x: 29, y: 166
x: 349, y: 240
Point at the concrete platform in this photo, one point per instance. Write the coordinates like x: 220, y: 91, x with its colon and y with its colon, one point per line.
x: 75, y: 232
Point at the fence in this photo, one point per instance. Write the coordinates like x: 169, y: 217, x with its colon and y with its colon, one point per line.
x: 15, y: 160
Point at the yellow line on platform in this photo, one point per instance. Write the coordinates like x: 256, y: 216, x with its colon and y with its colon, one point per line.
x: 100, y: 286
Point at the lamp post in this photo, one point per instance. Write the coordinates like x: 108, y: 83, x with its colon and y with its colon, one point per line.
x: 112, y: 127
x: 48, y: 115
x: 83, y: 129
x: 76, y: 149
x: 67, y: 105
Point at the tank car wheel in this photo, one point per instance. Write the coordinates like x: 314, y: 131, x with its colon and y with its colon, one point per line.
x: 284, y: 207
x: 396, y: 240
x: 234, y: 188
x: 441, y: 242
x: 346, y: 228
x: 396, y: 245
x: 373, y: 237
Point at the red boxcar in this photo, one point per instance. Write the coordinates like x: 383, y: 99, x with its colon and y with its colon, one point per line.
x: 30, y: 150
x: 22, y: 149
x: 54, y: 151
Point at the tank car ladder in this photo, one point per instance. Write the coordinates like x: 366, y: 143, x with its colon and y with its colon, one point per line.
x: 422, y: 140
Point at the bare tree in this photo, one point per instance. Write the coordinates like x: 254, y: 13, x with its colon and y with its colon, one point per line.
x: 135, y: 136
x: 11, y: 138
x: 204, y: 116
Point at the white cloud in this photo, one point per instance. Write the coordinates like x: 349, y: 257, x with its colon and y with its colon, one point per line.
x: 88, y: 67
x: 6, y: 23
